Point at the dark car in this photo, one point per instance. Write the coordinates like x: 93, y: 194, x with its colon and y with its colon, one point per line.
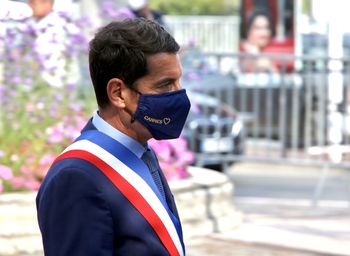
x: 213, y: 131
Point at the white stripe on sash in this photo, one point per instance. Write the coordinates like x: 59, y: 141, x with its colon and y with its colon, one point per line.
x: 135, y: 180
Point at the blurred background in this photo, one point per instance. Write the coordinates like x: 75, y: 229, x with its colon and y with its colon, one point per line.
x: 262, y: 166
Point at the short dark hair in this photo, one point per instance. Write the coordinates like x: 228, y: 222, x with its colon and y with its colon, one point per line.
x: 119, y: 50
x: 251, y: 18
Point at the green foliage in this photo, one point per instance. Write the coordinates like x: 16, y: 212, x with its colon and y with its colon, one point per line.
x: 196, y: 7
x: 306, y: 7
x: 37, y: 119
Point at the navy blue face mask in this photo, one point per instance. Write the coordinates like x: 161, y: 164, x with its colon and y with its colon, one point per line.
x: 164, y: 115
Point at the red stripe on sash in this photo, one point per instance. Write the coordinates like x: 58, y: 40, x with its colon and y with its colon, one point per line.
x: 135, y: 198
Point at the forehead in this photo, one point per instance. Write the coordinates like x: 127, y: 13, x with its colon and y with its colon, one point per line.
x: 163, y: 64
x: 40, y: 1
x: 261, y: 20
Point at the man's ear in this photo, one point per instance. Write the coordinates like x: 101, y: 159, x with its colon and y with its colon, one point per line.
x: 115, y: 87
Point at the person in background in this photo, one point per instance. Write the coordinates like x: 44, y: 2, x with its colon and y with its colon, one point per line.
x: 106, y: 194
x: 41, y: 8
x: 258, y: 35
x: 141, y: 8
x: 51, y: 31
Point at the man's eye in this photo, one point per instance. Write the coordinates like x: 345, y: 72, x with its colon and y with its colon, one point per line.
x: 165, y: 84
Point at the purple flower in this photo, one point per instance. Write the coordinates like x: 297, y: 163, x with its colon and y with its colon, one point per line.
x: 193, y: 76
x: 109, y: 11
x: 58, y: 97
x: 75, y: 107
x: 55, y: 134
x: 47, y: 160
x: 192, y: 42
x: 29, y: 30
x: 25, y: 170
x: 5, y: 172
x: 10, y: 33
x: 124, y: 13
x: 18, y: 182
x: 83, y: 22
x: 71, y: 87
x: 79, y: 39
x: 173, y: 157
x: 53, y: 111
x: 64, y: 15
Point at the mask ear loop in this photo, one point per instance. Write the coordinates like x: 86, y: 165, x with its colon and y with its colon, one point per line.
x: 131, y: 114
x: 128, y: 110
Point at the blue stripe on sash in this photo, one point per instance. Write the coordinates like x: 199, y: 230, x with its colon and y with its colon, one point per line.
x: 134, y: 163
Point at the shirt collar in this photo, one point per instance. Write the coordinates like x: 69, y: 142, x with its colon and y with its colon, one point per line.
x: 104, y: 127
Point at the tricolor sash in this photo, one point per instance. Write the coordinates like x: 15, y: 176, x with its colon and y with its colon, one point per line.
x: 131, y: 177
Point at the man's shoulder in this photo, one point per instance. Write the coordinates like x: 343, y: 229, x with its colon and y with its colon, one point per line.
x: 74, y: 175
x: 71, y: 168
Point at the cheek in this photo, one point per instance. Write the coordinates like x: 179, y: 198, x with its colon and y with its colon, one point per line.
x: 261, y: 36
x: 266, y: 33
x: 40, y: 11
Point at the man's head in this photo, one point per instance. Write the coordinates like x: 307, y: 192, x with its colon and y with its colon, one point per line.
x: 120, y: 50
x: 129, y: 61
x: 41, y: 8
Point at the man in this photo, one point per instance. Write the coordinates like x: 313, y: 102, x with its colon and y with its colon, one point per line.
x: 105, y: 194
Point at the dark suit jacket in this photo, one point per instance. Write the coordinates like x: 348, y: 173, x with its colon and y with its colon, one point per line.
x: 80, y: 212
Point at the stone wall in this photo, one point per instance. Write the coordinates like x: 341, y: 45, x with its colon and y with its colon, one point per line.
x: 19, y: 232
x: 204, y: 202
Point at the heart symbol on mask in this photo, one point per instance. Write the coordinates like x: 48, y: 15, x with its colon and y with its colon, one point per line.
x: 166, y: 120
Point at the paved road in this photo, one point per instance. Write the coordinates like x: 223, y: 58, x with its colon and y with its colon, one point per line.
x: 278, y: 211
x: 212, y: 245
x: 288, y: 182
